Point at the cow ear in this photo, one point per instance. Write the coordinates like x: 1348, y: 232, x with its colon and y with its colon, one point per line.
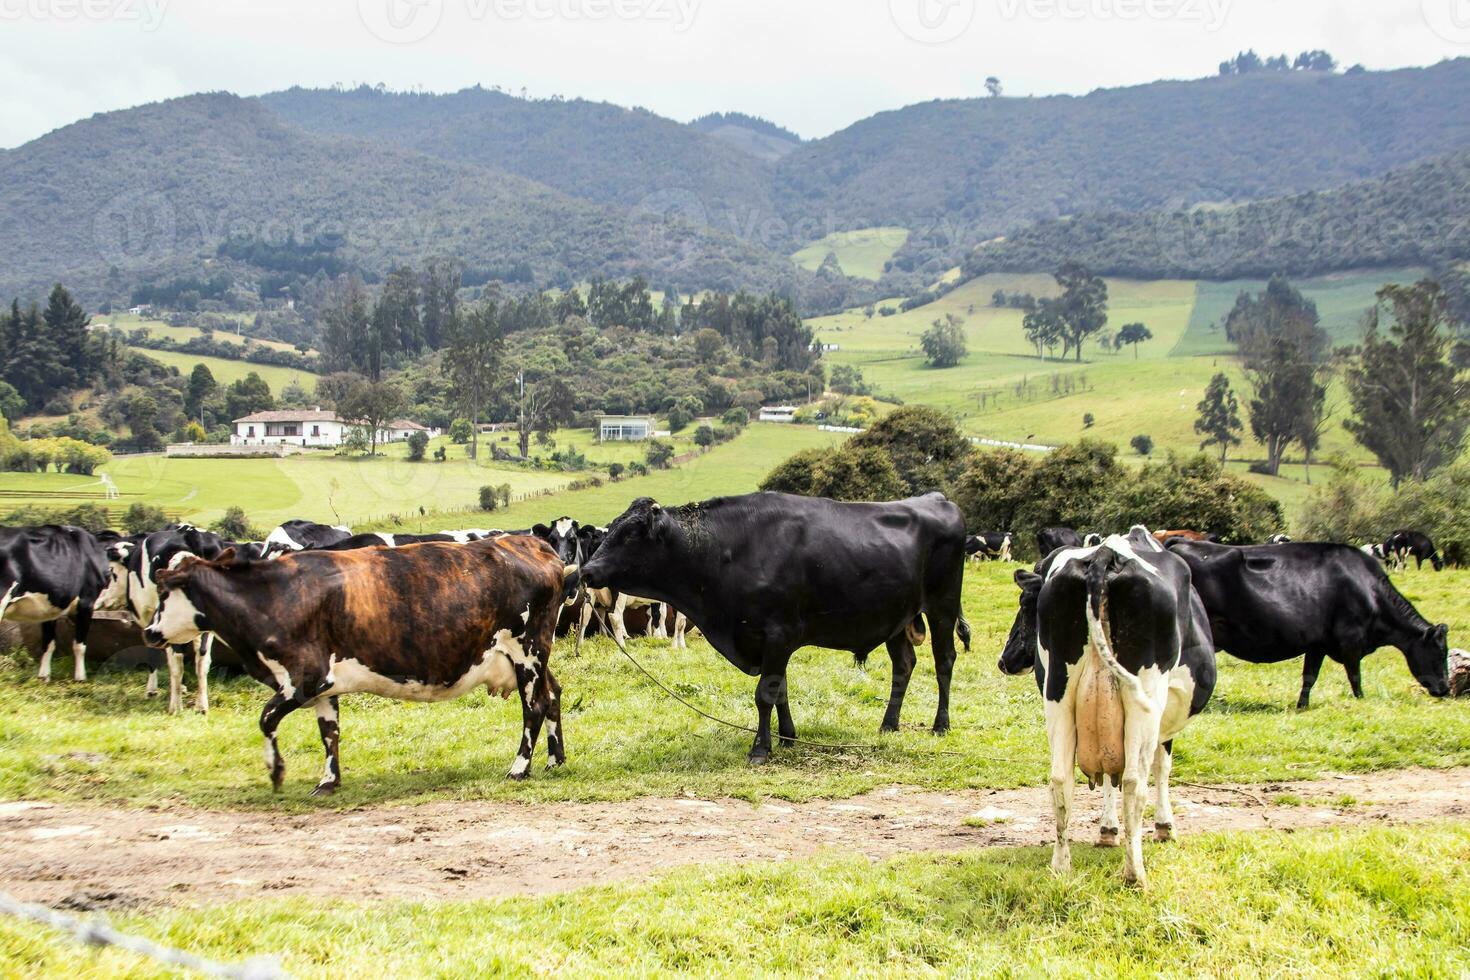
x: 541, y: 530
x: 227, y: 557
x: 1027, y: 580
x: 1440, y: 634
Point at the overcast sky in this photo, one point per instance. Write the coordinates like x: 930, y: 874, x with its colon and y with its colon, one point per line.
x: 814, y: 66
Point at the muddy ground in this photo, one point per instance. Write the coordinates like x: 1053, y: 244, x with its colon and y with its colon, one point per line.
x: 99, y: 857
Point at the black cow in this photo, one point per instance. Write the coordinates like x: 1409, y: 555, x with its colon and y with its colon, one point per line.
x: 764, y: 574
x: 989, y: 545
x: 1274, y: 602
x: 299, y: 535
x: 1128, y: 661
x: 47, y: 572
x: 1403, y: 545
x: 428, y: 622
x: 377, y: 539
x: 1049, y: 539
x: 140, y: 564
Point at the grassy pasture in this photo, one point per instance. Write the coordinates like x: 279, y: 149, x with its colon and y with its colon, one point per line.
x: 101, y: 740
x: 127, y: 322
x: 226, y: 371
x: 1322, y: 903
x: 861, y: 253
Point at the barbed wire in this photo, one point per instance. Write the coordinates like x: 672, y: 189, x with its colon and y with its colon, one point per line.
x: 98, y: 932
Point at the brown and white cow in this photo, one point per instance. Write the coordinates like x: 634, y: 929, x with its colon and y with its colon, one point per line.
x: 425, y: 622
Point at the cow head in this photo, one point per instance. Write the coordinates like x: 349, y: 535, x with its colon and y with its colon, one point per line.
x: 1428, y: 655
x: 562, y: 535
x: 1019, y: 654
x: 641, y: 539
x: 177, y: 619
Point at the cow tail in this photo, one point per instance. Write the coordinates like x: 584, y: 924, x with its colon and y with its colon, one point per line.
x: 962, y: 627
x: 5, y: 599
x: 1104, y: 561
x: 915, y: 631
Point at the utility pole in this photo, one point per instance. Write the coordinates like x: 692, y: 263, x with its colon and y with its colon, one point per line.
x: 521, y: 417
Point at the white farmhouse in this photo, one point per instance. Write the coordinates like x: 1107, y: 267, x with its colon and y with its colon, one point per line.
x: 310, y: 427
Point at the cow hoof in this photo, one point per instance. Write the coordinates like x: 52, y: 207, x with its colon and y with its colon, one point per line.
x: 1163, y: 832
x: 942, y: 729
x: 1107, y: 837
x: 324, y: 789
x: 887, y: 729
x: 757, y: 760
x: 151, y: 694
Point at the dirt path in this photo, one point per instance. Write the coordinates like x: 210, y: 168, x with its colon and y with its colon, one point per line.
x: 94, y: 857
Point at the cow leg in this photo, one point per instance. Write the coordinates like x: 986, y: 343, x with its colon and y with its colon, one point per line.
x: 326, y: 725
x: 203, y: 653
x: 1140, y: 734
x: 785, y: 727
x: 586, y: 618
x: 175, y: 657
x: 1163, y: 812
x: 151, y: 691
x: 619, y: 628
x: 662, y: 632
x: 770, y: 692
x: 1354, y: 670
x: 275, y: 709
x: 1107, y: 831
x: 1311, y: 667
x: 81, y: 626
x: 901, y: 652
x: 944, y: 657
x: 48, y: 647
x: 533, y: 711
x: 1061, y: 732
x: 556, y: 746
x: 681, y: 625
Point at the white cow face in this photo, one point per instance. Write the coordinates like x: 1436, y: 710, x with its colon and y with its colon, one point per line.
x: 176, y: 621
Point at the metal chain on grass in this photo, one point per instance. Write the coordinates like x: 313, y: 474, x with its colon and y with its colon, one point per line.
x: 97, y: 932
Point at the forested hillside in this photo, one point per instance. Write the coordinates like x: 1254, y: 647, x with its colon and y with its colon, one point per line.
x: 1415, y: 216
x: 157, y: 190
x: 978, y: 168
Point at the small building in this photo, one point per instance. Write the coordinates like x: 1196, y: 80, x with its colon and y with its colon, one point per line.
x: 778, y: 413
x: 624, y: 428
x: 310, y: 427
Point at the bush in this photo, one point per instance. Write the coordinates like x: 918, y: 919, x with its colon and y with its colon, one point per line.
x: 460, y: 431
x: 235, y: 526
x: 418, y: 444
x: 489, y: 498
x: 194, y: 432
x: 704, y: 437
x: 846, y: 473
x: 143, y: 519
x: 1142, y: 444
x: 638, y: 469
x: 736, y: 416
x: 928, y: 450
x: 615, y: 471
x: 658, y: 454
x: 89, y: 516
x: 1088, y: 421
x: 1349, y: 511
x: 441, y: 454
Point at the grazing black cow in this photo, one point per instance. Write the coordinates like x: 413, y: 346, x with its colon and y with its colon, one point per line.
x: 1403, y: 545
x: 428, y: 622
x: 989, y: 545
x: 139, y: 565
x: 383, y: 539
x: 1120, y: 646
x: 47, y: 572
x: 764, y: 574
x: 1274, y: 602
x: 299, y: 535
x: 1049, y: 539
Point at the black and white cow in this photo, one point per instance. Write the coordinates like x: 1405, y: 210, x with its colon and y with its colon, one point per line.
x: 140, y: 564
x: 1121, y: 649
x: 1049, y: 539
x: 1403, y: 545
x: 1279, y: 539
x: 576, y: 543
x: 995, y: 545
x: 300, y: 535
x: 1274, y: 602
x: 385, y: 539
x: 764, y: 574
x: 47, y: 572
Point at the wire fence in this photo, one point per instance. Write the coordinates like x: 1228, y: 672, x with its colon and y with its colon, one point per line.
x: 97, y: 932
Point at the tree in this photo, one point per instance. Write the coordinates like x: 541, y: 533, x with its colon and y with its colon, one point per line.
x: 992, y: 87
x: 944, y: 342
x: 615, y: 471
x: 707, y: 345
x: 140, y: 412
x: 440, y: 283
x: 704, y: 437
x: 658, y: 454
x: 247, y: 396
x: 372, y: 404
x: 66, y: 328
x: 202, y: 387
x: 472, y: 361
x: 346, y: 323
x: 1219, y: 416
x: 928, y: 450
x: 1142, y: 444
x: 1132, y: 334
x: 142, y: 518
x: 235, y: 526
x: 1412, y: 407
x: 1043, y: 325
x: 396, y: 316
x: 544, y: 406
x: 35, y: 365
x: 1281, y: 346
x: 12, y: 405
x: 1083, y: 306
x: 418, y: 444
x: 460, y: 431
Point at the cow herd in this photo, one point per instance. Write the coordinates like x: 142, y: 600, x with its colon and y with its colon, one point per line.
x: 1120, y: 631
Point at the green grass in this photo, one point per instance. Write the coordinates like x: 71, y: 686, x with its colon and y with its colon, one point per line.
x: 127, y: 322
x: 1374, y: 902
x: 861, y: 253
x: 101, y: 741
x: 226, y: 371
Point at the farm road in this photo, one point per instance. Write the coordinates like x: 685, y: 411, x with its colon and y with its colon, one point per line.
x: 95, y: 857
